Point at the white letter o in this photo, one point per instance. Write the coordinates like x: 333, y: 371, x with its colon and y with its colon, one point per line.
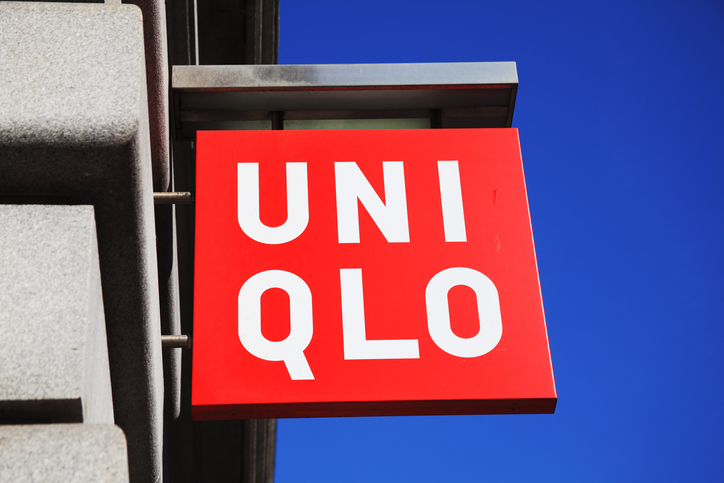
x: 438, y: 312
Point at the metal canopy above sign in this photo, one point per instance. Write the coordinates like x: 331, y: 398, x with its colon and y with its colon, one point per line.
x: 259, y: 97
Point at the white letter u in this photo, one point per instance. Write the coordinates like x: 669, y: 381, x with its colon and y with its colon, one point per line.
x: 248, y: 204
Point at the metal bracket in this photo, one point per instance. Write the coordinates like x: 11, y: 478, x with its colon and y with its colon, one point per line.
x: 174, y: 198
x: 176, y: 341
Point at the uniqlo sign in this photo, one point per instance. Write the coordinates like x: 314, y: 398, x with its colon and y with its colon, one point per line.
x: 355, y: 273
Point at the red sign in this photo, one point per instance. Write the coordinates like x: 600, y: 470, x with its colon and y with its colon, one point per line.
x: 358, y: 273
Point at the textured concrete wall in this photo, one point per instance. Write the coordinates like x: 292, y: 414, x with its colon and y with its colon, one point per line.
x: 156, y: 51
x: 154, y: 32
x: 53, y: 352
x: 63, y: 453
x: 74, y: 125
x: 116, y: 2
x: 170, y: 309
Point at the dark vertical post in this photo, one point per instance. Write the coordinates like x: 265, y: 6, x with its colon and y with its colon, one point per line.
x: 436, y: 118
x: 277, y: 119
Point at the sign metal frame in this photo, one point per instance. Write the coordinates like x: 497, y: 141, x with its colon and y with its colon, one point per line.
x: 236, y: 375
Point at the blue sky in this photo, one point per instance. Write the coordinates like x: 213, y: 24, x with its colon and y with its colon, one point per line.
x: 619, y: 109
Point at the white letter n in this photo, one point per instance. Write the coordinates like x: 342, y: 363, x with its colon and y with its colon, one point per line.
x: 390, y: 217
